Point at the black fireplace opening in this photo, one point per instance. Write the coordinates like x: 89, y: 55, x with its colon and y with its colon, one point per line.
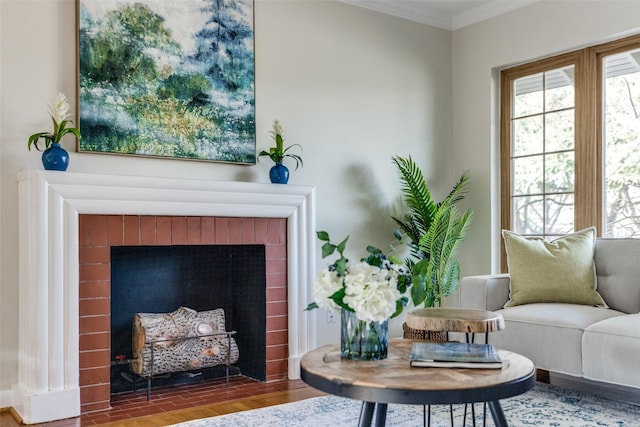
x: 160, y: 279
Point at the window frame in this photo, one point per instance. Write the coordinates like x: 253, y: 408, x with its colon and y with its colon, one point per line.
x: 589, y: 122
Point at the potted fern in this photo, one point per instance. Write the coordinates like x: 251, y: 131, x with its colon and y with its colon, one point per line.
x: 435, y: 232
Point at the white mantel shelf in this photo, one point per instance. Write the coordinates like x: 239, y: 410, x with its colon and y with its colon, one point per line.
x: 49, y: 204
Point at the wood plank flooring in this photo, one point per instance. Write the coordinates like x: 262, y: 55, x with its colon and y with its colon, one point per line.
x: 192, y: 405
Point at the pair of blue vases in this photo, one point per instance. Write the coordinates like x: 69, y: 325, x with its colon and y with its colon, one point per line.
x: 57, y: 158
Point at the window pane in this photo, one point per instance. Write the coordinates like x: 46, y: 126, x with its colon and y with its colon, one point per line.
x: 559, y: 214
x: 528, y: 95
x: 559, y: 130
x: 559, y: 89
x: 528, y: 175
x: 622, y: 211
x: 527, y: 136
x: 542, y: 156
x: 622, y: 145
x: 528, y: 215
x: 559, y: 172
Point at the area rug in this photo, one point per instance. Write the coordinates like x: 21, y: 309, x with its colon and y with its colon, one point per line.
x: 544, y: 405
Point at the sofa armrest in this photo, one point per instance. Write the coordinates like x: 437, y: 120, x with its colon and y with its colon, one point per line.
x: 488, y: 292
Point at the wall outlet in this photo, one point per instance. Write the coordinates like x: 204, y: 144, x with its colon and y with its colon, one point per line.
x: 331, y: 317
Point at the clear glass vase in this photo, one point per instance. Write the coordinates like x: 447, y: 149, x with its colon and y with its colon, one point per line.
x: 361, y: 340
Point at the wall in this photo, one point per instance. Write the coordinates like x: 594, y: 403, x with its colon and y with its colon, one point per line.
x: 479, y: 51
x: 352, y: 86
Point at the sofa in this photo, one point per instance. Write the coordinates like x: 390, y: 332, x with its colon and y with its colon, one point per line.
x: 599, y: 343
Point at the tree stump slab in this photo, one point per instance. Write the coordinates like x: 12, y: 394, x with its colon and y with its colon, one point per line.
x: 455, y: 320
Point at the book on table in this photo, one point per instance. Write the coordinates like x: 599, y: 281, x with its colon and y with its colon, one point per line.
x: 454, y: 355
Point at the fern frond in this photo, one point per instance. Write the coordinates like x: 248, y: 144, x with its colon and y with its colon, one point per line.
x: 442, y: 241
x: 449, y: 280
x: 416, y: 194
x: 460, y: 189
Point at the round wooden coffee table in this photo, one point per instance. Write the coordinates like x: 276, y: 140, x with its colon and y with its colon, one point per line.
x: 392, y: 380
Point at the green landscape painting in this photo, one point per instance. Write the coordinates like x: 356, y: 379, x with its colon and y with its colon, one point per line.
x: 171, y: 79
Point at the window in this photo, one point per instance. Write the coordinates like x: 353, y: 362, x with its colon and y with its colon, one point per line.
x: 621, y: 144
x: 570, y: 143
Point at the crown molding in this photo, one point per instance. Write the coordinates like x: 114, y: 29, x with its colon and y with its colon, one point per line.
x: 423, y: 12
x: 487, y: 11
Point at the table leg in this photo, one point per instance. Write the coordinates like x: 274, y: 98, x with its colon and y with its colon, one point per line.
x: 484, y: 411
x: 464, y: 416
x: 473, y: 415
x: 427, y: 416
x: 497, y: 414
x: 381, y: 414
x: 366, y: 414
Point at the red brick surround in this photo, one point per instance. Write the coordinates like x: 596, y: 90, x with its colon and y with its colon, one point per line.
x: 97, y: 233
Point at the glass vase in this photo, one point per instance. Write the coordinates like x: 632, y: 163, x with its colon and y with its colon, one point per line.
x: 361, y: 340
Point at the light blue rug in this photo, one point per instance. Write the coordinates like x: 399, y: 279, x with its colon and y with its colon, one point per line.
x: 544, y: 405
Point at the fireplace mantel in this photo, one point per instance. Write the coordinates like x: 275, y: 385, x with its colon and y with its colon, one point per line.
x: 49, y: 205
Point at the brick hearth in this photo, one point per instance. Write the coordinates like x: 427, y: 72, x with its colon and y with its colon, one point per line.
x: 97, y: 233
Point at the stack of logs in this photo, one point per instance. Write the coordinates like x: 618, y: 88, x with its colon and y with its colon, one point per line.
x: 183, y: 340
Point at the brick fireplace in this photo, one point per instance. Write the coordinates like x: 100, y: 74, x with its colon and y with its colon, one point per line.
x: 97, y: 233
x: 54, y: 210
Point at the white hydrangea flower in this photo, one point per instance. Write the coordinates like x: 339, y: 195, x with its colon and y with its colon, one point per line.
x: 371, y: 292
x: 327, y: 284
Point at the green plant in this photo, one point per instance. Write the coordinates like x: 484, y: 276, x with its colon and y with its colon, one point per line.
x: 435, y: 232
x: 59, y: 112
x: 374, y: 288
x: 278, y: 152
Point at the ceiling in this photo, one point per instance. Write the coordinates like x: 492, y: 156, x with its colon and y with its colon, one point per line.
x: 446, y: 14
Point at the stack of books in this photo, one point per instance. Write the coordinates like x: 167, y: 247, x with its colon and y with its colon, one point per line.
x: 454, y: 355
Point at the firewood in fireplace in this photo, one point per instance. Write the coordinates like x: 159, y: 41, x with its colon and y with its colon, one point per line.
x: 182, y: 340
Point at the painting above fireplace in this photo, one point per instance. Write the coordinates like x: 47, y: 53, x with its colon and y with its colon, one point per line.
x: 179, y: 86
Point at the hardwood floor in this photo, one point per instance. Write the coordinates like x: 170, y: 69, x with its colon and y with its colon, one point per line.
x: 256, y: 395
x: 218, y: 408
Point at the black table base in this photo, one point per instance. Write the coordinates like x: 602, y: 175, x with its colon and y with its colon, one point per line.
x: 369, y: 409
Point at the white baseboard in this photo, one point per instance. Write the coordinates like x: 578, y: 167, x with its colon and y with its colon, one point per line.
x: 49, y: 406
x: 294, y: 368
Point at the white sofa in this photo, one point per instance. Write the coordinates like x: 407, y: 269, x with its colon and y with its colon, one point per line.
x: 595, y: 343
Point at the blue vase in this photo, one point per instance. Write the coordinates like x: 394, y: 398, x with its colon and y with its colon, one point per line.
x: 279, y: 174
x: 55, y: 158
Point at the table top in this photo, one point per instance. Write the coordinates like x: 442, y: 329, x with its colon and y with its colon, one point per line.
x: 455, y: 320
x: 393, y: 380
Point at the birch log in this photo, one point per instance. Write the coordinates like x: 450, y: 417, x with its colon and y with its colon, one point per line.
x: 160, y: 332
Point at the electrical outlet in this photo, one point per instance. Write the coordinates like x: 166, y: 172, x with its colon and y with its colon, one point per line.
x: 331, y: 317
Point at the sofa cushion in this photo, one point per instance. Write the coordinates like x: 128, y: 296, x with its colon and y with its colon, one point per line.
x: 618, y: 273
x: 610, y: 350
x: 560, y: 271
x: 549, y: 334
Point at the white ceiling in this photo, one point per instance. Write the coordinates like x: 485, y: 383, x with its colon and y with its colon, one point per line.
x: 447, y: 14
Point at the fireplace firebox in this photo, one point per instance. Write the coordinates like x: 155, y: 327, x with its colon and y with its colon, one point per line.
x: 159, y: 279
x: 103, y: 235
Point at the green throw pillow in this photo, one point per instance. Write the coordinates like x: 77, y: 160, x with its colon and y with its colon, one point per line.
x: 560, y: 271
